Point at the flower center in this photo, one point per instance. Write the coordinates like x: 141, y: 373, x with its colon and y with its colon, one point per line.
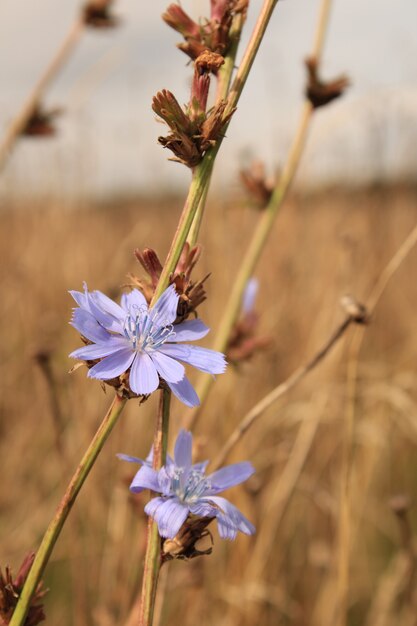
x: 192, y: 488
x: 145, y: 332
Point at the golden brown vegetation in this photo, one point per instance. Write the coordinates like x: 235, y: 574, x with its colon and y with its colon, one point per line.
x: 323, y: 246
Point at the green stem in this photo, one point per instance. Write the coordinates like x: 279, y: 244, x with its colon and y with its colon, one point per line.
x: 153, y: 548
x: 203, y: 170
x: 267, y: 220
x: 252, y: 255
x: 53, y: 531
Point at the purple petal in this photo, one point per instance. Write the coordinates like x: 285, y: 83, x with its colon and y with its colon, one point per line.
x: 183, y: 449
x: 143, y: 375
x: 80, y: 298
x: 169, y: 369
x: 249, y: 295
x: 99, y: 350
x: 96, y: 300
x: 190, y: 330
x: 112, y: 366
x: 134, y: 300
x: 87, y: 325
x: 230, y: 516
x: 165, y: 308
x: 230, y: 476
x: 146, y: 478
x: 168, y: 514
x: 185, y: 392
x: 130, y: 459
x: 164, y: 479
x: 204, y: 509
x: 108, y: 305
x: 206, y: 360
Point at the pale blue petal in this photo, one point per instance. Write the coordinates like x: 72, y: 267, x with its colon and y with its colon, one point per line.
x: 143, y: 375
x: 183, y: 449
x: 164, y: 478
x: 108, y: 305
x: 169, y: 515
x: 185, y: 392
x: 201, y: 467
x: 168, y: 369
x: 134, y: 300
x: 146, y: 478
x: 203, y: 509
x: 81, y: 299
x: 230, y: 476
x: 231, y: 517
x: 112, y: 366
x: 99, y: 350
x: 130, y: 459
x: 87, y: 325
x: 165, y: 309
x: 249, y: 295
x: 205, y: 360
x: 102, y: 315
x: 190, y: 330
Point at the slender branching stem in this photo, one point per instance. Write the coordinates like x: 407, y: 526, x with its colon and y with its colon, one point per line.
x: 252, y: 255
x: 255, y: 413
x: 223, y: 84
x: 53, y: 531
x: 203, y: 170
x: 345, y: 531
x: 18, y: 124
x: 153, y: 547
x: 270, y: 213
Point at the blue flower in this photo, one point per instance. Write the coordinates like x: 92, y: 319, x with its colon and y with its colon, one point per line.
x: 185, y: 489
x: 131, y: 336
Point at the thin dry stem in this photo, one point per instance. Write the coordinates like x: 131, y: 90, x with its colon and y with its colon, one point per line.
x: 345, y: 532
x: 283, y: 388
x: 19, y: 122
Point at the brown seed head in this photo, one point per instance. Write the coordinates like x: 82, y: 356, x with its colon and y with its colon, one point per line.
x: 183, y: 546
x: 41, y: 122
x: 97, y: 14
x: 319, y: 92
x: 256, y: 184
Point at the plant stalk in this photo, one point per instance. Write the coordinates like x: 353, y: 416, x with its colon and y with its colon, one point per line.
x: 19, y: 122
x: 53, y: 531
x: 204, y: 169
x: 153, y: 547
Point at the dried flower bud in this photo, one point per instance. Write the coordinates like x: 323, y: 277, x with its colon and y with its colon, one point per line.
x: 41, y: 123
x: 97, y: 14
x: 209, y: 61
x: 183, y: 545
x: 318, y: 92
x: 193, y: 131
x: 191, y: 293
x: 10, y: 590
x: 177, y: 18
x: 211, y: 34
x: 355, y: 310
x: 257, y: 185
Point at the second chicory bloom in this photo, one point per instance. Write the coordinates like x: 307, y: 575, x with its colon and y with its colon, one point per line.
x: 185, y: 489
x: 131, y: 336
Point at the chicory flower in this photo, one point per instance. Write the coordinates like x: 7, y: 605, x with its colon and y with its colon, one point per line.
x: 133, y: 337
x: 186, y: 489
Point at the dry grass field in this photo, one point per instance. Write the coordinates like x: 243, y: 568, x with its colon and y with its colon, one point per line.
x: 324, y: 246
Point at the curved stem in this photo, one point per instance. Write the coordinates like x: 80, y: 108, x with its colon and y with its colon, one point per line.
x: 53, y: 531
x: 19, y: 122
x: 252, y: 416
x: 153, y: 547
x: 253, y: 253
x: 204, y: 169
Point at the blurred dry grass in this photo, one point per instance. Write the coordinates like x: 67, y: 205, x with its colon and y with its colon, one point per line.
x: 324, y: 246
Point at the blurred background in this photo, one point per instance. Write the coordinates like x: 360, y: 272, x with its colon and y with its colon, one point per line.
x: 74, y: 206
